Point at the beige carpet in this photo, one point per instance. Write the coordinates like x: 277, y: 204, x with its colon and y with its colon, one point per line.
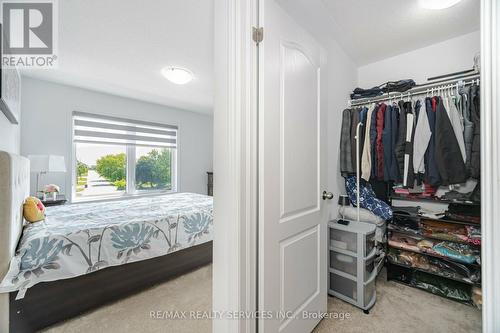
x: 398, y: 309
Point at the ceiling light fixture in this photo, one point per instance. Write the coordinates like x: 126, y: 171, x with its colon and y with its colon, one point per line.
x: 177, y: 75
x: 438, y: 4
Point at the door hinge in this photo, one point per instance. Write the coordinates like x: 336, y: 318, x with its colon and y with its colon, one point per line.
x: 258, y: 34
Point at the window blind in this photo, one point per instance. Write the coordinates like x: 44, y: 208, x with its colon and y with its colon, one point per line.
x: 92, y: 128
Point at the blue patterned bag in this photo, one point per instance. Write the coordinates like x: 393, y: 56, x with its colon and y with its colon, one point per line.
x: 367, y: 198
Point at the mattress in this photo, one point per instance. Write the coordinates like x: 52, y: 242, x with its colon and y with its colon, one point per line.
x: 79, y: 239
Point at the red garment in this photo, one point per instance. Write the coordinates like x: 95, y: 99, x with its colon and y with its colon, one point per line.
x: 379, y: 147
x: 434, y: 104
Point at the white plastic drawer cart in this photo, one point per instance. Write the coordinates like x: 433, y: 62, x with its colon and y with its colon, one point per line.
x: 353, y: 263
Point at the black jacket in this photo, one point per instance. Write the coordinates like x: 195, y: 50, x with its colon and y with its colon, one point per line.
x: 431, y: 170
x: 449, y: 159
x: 475, y: 167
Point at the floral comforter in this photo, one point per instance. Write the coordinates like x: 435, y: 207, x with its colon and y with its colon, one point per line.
x: 82, y: 238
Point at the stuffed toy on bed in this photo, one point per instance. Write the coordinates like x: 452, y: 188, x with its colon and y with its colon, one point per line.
x: 33, y: 210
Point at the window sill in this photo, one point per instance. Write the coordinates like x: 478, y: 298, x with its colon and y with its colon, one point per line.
x: 121, y: 197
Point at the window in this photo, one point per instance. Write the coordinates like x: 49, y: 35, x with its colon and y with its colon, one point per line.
x: 118, y: 157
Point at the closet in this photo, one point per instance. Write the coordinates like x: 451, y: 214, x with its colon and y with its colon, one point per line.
x: 414, y: 153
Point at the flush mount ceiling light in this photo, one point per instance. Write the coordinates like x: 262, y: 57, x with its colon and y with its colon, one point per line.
x: 438, y: 4
x: 177, y: 75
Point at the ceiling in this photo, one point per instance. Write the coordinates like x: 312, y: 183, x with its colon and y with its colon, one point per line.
x: 120, y: 47
x: 372, y: 30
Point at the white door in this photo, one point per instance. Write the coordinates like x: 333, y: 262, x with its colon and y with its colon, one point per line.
x: 292, y: 222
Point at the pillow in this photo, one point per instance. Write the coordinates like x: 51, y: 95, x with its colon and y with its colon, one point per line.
x: 33, y: 210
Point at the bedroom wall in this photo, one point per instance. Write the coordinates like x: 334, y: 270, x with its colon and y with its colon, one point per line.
x: 450, y: 56
x: 46, y: 129
x: 10, y: 135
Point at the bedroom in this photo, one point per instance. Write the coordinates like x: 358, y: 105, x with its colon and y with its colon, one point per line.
x: 121, y: 135
x: 269, y: 95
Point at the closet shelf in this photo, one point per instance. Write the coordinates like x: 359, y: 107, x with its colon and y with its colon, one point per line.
x: 476, y: 265
x: 419, y: 234
x: 434, y: 273
x: 405, y: 283
x: 432, y: 199
x: 446, y: 220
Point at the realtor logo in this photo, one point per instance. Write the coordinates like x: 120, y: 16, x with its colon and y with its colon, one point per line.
x: 29, y: 33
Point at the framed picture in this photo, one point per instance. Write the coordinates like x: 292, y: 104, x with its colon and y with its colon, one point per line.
x: 10, y: 90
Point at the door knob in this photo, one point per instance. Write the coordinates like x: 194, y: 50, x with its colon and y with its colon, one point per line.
x: 327, y: 195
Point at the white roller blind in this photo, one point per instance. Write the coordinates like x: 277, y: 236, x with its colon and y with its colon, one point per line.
x: 92, y: 128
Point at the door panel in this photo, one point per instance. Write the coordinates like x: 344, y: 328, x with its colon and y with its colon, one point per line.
x: 292, y: 223
x: 299, y: 130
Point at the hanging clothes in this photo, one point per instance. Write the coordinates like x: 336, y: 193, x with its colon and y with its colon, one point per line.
x: 366, y: 159
x: 431, y: 170
x: 468, y: 126
x: 379, y: 144
x: 475, y: 170
x: 362, y: 119
x: 456, y: 123
x: 389, y: 126
x: 373, y: 140
x: 354, y: 124
x: 448, y: 156
x: 401, y: 141
x: 421, y: 140
x: 346, y: 165
x: 408, y: 176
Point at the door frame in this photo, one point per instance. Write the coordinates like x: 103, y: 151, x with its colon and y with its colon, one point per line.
x: 235, y: 166
x: 490, y: 162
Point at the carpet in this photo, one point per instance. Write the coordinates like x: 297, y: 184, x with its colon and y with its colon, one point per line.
x: 398, y: 309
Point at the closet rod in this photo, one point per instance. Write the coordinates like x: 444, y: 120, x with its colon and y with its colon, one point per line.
x: 417, y: 90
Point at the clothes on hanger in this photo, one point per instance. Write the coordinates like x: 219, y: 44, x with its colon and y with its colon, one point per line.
x: 432, y: 141
x: 448, y: 154
x: 421, y: 141
x: 475, y: 168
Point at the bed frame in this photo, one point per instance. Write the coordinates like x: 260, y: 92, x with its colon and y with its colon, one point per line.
x: 48, y: 303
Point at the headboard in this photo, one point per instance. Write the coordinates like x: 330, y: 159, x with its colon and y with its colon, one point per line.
x: 14, y: 188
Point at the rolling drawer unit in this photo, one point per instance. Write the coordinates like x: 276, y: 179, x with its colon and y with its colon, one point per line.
x: 353, y: 264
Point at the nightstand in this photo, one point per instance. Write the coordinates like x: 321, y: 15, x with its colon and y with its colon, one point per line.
x: 60, y: 200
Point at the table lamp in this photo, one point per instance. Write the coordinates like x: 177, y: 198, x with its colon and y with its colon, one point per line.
x: 42, y: 164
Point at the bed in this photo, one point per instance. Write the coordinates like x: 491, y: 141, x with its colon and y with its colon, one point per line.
x: 85, y: 255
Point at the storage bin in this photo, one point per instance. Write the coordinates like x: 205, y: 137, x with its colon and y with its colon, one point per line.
x: 369, y: 244
x: 344, y: 240
x: 369, y: 268
x: 344, y: 263
x: 369, y: 292
x: 343, y: 286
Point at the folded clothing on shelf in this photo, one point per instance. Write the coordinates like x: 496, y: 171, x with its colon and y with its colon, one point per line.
x: 459, y: 252
x: 391, y: 86
x: 444, y: 231
x: 435, y: 265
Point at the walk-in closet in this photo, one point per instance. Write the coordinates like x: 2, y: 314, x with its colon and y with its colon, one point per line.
x: 404, y: 128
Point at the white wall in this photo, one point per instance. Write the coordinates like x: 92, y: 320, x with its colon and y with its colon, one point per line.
x: 342, y: 78
x: 453, y: 55
x: 46, y: 128
x: 10, y: 140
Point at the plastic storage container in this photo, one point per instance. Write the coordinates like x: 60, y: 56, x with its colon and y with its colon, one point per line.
x: 344, y: 240
x: 344, y: 263
x: 353, y: 263
x: 344, y: 286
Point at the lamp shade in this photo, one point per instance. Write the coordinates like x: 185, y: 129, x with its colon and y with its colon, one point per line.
x: 47, y: 163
